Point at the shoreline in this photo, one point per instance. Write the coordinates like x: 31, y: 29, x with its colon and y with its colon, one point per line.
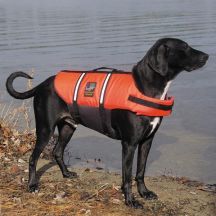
x: 95, y: 192
x: 178, y: 153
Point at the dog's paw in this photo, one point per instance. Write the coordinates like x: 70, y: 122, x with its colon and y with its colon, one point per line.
x: 70, y: 175
x: 134, y: 204
x: 33, y: 188
x: 149, y: 195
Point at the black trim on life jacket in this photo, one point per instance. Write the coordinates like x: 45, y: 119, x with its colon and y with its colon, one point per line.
x: 108, y: 69
x: 101, y: 105
x: 97, y: 70
x: 149, y: 103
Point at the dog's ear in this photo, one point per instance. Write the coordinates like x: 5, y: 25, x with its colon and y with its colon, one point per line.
x: 157, y: 59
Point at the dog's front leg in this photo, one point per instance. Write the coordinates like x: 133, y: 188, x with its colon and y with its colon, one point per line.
x: 143, y: 151
x: 127, y: 162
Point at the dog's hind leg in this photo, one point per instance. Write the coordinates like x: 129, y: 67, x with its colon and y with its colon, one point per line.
x: 45, y: 120
x: 65, y: 133
x: 43, y: 136
x: 143, y: 151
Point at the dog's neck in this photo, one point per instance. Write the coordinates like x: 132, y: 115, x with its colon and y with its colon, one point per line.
x: 149, y: 82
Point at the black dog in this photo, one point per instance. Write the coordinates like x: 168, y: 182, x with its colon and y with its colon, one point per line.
x: 152, y: 75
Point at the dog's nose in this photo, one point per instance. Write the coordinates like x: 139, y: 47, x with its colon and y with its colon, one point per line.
x: 204, y: 57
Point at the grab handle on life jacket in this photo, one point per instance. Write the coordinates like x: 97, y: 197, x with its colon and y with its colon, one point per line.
x: 105, y: 68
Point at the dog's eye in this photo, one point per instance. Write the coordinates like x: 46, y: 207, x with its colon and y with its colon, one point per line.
x: 185, y: 46
x: 167, y: 50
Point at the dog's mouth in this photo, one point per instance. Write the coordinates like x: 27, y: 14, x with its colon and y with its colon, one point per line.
x: 197, y: 66
x: 189, y: 69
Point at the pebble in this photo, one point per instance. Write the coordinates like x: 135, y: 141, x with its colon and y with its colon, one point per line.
x: 88, y: 212
x: 52, y: 185
x: 41, y: 194
x: 116, y: 201
x: 17, y: 200
x: 20, y: 160
x: 82, y: 211
x: 59, y: 198
x: 60, y: 195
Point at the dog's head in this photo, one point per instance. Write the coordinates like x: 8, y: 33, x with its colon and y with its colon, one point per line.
x: 169, y: 56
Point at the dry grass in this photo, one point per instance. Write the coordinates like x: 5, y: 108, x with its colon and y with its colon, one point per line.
x: 17, y: 135
x: 17, y: 117
x: 17, y: 131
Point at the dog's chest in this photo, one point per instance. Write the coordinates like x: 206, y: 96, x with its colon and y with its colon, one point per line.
x: 154, y: 123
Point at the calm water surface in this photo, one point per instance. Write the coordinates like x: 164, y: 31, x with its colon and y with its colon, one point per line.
x: 51, y: 35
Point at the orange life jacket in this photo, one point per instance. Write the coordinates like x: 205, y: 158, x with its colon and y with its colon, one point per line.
x: 112, y: 90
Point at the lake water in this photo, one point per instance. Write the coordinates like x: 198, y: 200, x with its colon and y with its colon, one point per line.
x: 50, y: 35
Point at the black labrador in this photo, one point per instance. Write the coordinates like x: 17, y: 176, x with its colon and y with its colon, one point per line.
x: 152, y: 75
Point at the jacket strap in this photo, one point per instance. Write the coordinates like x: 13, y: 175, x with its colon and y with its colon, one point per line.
x: 101, y: 103
x: 109, y: 69
x: 150, y: 103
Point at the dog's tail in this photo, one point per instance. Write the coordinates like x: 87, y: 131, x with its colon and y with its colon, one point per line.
x: 13, y: 92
